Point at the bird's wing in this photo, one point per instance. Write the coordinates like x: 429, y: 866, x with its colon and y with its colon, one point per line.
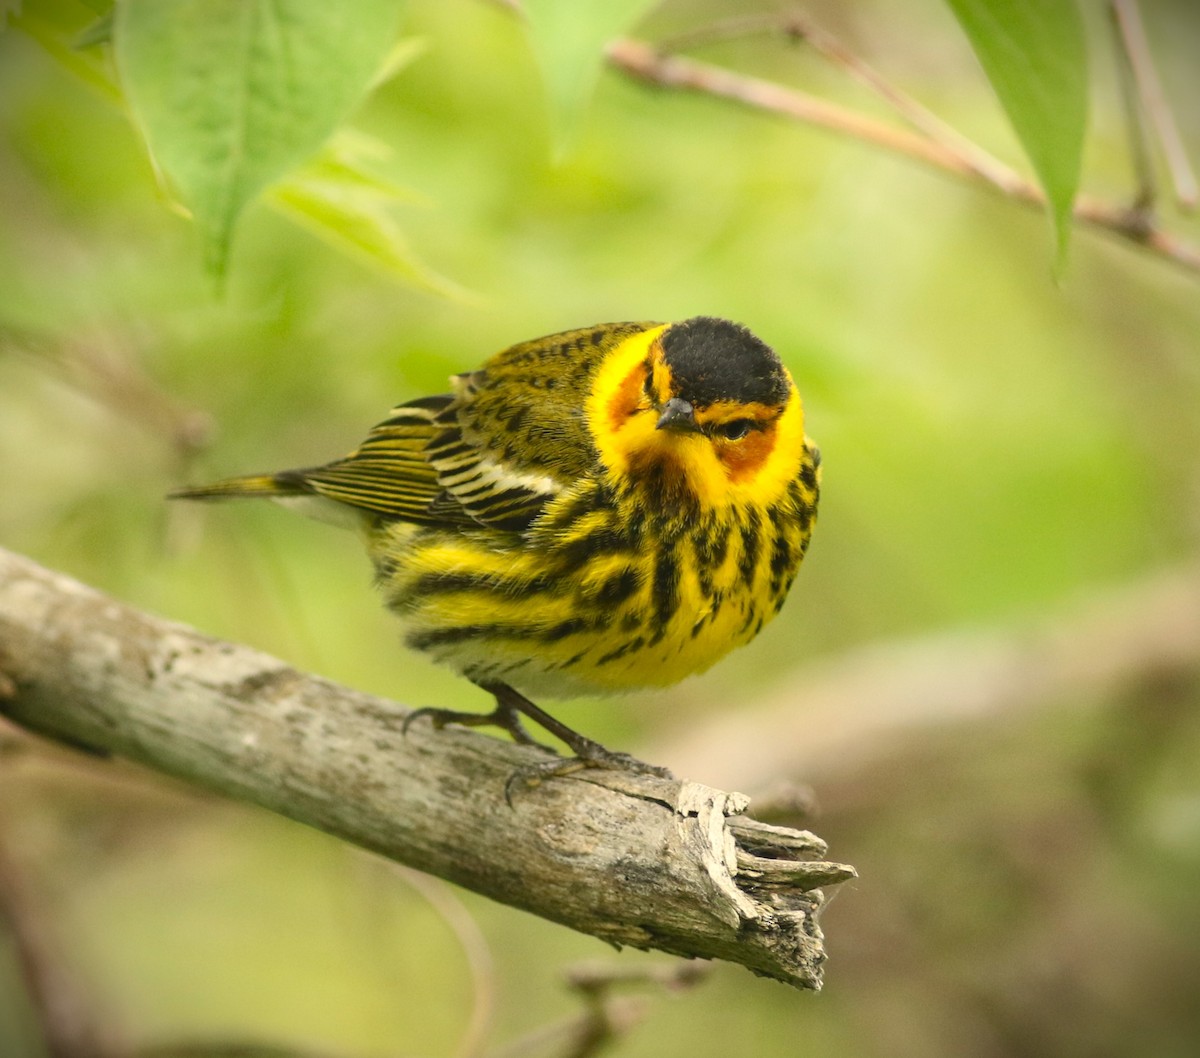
x: 489, y: 483
x: 416, y: 465
x: 390, y: 472
x: 511, y: 438
x: 518, y: 437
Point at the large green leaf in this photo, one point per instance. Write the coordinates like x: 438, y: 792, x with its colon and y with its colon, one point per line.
x: 1035, y: 55
x: 231, y: 94
x: 568, y: 38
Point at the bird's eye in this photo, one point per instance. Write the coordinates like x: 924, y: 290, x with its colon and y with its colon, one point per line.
x: 735, y: 429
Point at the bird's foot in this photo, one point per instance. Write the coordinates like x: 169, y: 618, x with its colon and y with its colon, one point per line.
x: 503, y: 716
x: 510, y: 707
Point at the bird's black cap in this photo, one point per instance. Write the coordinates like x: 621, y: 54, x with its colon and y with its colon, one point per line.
x: 712, y: 359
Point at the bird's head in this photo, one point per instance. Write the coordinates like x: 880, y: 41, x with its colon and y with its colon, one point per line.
x: 700, y: 411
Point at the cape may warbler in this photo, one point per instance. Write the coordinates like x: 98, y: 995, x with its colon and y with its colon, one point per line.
x: 607, y: 508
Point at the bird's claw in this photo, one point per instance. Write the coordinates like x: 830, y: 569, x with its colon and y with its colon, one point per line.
x: 503, y: 718
x: 510, y: 705
x: 438, y: 717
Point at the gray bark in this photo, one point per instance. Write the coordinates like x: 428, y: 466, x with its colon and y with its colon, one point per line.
x: 634, y: 860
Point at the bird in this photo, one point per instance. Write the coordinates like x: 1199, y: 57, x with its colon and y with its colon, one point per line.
x: 595, y: 511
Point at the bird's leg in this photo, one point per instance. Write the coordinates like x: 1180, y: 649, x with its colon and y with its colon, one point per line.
x: 504, y: 716
x: 510, y: 704
x: 588, y: 753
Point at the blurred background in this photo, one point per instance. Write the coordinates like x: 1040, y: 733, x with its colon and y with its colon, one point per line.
x: 988, y: 671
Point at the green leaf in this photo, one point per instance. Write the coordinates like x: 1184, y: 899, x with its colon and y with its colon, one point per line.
x: 345, y: 162
x: 99, y: 32
x: 348, y: 207
x: 56, y: 29
x: 1035, y: 55
x: 231, y: 94
x: 402, y: 55
x: 568, y: 38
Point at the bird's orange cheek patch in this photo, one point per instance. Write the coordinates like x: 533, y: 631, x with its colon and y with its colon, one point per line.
x: 744, y: 458
x: 624, y: 402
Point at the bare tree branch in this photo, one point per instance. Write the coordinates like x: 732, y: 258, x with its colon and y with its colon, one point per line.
x: 643, y: 61
x: 633, y: 860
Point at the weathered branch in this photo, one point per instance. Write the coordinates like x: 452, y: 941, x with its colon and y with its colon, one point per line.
x: 633, y: 860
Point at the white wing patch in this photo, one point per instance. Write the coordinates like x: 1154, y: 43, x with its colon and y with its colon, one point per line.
x: 495, y: 477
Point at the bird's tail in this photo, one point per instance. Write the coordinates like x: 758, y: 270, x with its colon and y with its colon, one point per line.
x: 266, y: 486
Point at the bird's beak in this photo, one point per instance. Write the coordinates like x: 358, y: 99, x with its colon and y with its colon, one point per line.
x: 678, y: 414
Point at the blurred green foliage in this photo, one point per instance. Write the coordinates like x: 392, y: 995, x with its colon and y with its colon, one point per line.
x: 994, y: 442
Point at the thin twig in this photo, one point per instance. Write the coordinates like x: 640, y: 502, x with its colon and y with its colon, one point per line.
x: 799, y: 27
x: 109, y: 373
x: 644, y: 62
x: 1131, y: 33
x: 578, y: 1035
x: 1140, y: 145
x: 226, y: 1048
x: 671, y: 71
x: 606, y: 1017
x: 590, y: 977
x: 67, y: 1022
x: 474, y: 945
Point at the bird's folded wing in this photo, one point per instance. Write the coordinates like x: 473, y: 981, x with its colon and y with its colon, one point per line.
x: 389, y: 473
x: 416, y: 466
x: 510, y: 439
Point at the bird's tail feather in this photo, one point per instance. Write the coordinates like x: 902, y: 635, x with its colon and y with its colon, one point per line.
x: 266, y: 486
